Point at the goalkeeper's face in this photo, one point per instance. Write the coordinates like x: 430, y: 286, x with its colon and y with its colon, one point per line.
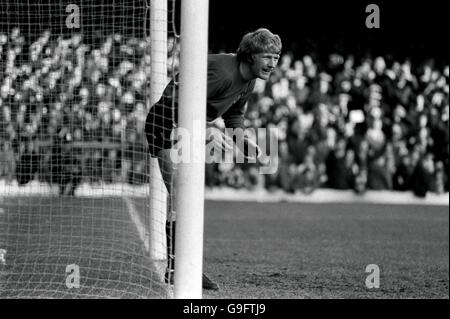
x: 264, y: 64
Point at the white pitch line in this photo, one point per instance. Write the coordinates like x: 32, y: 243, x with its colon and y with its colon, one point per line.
x: 145, y: 238
x: 143, y: 234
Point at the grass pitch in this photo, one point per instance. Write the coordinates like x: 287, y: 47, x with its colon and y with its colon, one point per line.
x: 253, y: 250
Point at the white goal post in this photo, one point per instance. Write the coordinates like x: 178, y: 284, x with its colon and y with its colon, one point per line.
x: 190, y: 182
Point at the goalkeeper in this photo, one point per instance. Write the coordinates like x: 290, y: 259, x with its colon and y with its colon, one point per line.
x: 231, y: 79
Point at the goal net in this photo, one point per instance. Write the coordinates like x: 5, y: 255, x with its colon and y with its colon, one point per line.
x: 82, y: 205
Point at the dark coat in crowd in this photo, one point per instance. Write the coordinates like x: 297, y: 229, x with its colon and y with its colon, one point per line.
x: 65, y: 171
x: 421, y: 180
x: 27, y: 167
x: 339, y: 176
x: 401, y: 181
x: 379, y: 177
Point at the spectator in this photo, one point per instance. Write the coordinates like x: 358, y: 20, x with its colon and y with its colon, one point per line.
x: 7, y: 162
x: 28, y: 165
x: 440, y: 179
x: 65, y: 170
x: 422, y: 177
x: 401, y: 180
x: 308, y: 177
x: 379, y: 177
x: 360, y: 182
x: 338, y: 170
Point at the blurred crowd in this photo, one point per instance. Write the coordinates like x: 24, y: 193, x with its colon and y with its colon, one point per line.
x: 73, y: 107
x: 347, y: 123
x: 77, y: 107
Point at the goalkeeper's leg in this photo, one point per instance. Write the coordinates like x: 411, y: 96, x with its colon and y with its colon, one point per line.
x: 168, y: 172
x: 160, y: 121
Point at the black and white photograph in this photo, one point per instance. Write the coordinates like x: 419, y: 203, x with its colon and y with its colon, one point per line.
x: 233, y: 151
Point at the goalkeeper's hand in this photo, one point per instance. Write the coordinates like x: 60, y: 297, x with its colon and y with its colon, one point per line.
x: 251, y: 151
x: 220, y: 140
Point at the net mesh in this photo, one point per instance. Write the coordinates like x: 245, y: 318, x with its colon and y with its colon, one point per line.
x: 75, y: 170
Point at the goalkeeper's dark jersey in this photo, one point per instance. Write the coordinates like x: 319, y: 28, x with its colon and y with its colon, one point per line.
x: 227, y: 95
x: 227, y: 91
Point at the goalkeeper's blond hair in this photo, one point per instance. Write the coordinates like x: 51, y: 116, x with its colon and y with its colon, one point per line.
x: 259, y: 41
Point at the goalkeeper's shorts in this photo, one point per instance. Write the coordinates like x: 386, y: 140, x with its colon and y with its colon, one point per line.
x: 160, y: 122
